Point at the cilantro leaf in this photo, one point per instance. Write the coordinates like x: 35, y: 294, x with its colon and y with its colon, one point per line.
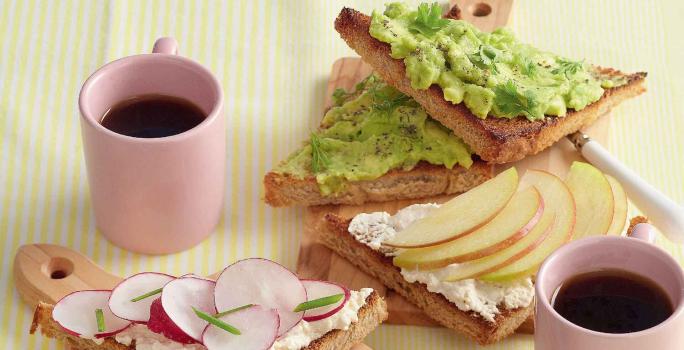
x: 567, y: 67
x: 511, y: 103
x: 428, y: 20
x: 485, y: 57
x: 319, y: 158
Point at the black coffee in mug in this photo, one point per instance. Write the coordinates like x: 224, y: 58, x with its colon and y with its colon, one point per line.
x: 612, y: 301
x: 151, y: 116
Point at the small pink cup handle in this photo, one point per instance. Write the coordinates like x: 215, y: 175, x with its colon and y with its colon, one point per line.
x: 166, y: 45
x: 644, y: 232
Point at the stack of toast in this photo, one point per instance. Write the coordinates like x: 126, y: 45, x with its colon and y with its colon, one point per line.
x: 491, y: 141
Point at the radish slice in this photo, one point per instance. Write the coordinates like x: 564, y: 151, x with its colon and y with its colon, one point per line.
x: 180, y: 296
x: 139, y: 311
x: 76, y: 314
x: 161, y: 323
x: 320, y: 289
x: 258, y: 327
x: 261, y: 282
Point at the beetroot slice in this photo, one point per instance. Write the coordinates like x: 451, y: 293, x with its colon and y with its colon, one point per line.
x: 161, y: 323
x: 76, y: 314
x: 320, y: 289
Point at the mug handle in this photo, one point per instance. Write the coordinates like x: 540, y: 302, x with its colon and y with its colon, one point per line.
x: 644, y: 232
x: 166, y: 45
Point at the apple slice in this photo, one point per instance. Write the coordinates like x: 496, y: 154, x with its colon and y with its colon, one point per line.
x: 557, y: 201
x: 461, y: 215
x: 258, y: 327
x: 261, y: 282
x: 512, y: 224
x: 321, y: 289
x: 77, y: 314
x: 180, y: 296
x: 475, y: 268
x: 121, y: 304
x: 594, y: 199
x: 620, y: 212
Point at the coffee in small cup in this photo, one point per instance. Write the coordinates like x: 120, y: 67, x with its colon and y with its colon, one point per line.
x: 152, y: 116
x: 612, y: 301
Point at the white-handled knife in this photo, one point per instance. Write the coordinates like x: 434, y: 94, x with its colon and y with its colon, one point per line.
x: 662, y: 211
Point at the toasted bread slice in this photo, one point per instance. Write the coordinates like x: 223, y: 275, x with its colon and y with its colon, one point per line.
x: 334, y: 234
x: 495, y: 140
x: 424, y: 180
x: 371, y: 315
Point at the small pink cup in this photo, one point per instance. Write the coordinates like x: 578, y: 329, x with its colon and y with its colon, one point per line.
x: 155, y: 195
x: 636, y: 255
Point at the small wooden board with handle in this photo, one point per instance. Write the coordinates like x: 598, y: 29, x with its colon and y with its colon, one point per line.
x: 48, y: 272
x: 317, y: 261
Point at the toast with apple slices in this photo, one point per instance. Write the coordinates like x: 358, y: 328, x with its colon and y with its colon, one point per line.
x: 176, y: 316
x: 554, y: 228
x: 495, y: 140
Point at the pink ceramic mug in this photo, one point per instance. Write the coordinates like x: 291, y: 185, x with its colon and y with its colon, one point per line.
x: 636, y: 255
x: 155, y: 195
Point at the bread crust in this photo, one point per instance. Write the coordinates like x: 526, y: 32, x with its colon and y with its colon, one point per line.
x: 424, y: 180
x: 334, y: 234
x: 371, y: 315
x: 496, y: 140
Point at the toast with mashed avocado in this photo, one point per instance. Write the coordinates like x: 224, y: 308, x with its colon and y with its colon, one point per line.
x: 504, y: 98
x: 375, y: 144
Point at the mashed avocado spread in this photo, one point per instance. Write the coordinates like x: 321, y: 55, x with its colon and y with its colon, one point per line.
x: 369, y: 132
x: 492, y: 73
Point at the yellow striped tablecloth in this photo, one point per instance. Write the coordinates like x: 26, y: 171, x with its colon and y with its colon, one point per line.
x: 273, y: 58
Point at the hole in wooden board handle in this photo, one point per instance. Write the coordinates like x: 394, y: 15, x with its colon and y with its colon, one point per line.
x: 480, y: 9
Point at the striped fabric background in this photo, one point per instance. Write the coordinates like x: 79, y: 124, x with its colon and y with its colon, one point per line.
x: 273, y: 58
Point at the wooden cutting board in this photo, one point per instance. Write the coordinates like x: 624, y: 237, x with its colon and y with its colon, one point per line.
x: 48, y: 272
x: 318, y: 262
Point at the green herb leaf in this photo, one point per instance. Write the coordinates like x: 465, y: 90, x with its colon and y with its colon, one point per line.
x: 320, y: 302
x: 99, y: 316
x: 485, y: 57
x: 529, y: 68
x: 233, y: 310
x: 319, y: 158
x: 216, y: 322
x: 339, y: 96
x: 511, y: 103
x: 568, y: 67
x: 428, y: 20
x: 387, y: 102
x: 146, y: 295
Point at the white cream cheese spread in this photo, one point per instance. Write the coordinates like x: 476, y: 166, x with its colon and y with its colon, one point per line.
x: 372, y: 229
x: 305, y: 332
x: 148, y: 340
x: 482, y: 297
x: 296, y: 338
x: 474, y: 295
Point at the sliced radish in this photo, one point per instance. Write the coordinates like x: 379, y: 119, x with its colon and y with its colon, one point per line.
x: 261, y: 282
x: 258, y: 327
x: 161, y: 323
x: 139, y: 311
x: 321, y: 289
x: 76, y: 313
x: 180, y: 296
